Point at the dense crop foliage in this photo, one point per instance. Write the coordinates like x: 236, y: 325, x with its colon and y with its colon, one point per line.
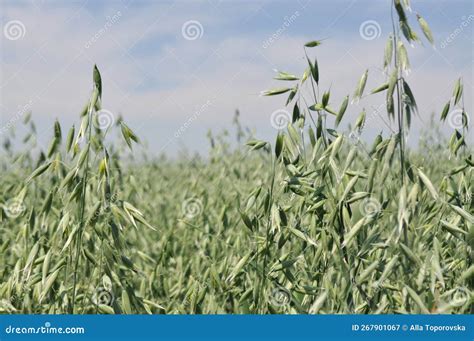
x: 317, y: 222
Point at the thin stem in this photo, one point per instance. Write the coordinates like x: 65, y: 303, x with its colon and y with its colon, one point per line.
x: 401, y: 134
x: 316, y: 101
x: 464, y: 130
x: 267, y: 232
x: 82, y: 211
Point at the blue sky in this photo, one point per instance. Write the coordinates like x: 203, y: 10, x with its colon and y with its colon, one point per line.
x: 161, y: 77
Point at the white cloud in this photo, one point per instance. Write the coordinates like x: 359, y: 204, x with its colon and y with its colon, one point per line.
x: 158, y: 89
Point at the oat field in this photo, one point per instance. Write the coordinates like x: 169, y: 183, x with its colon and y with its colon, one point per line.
x: 317, y: 221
